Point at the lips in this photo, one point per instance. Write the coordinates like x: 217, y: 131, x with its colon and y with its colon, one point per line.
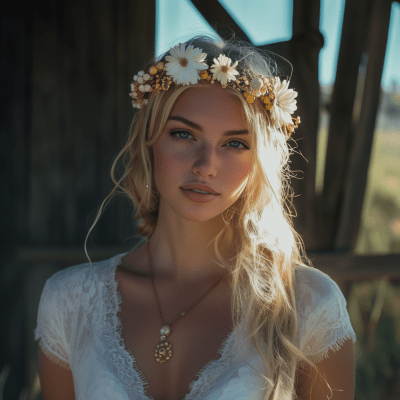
x: 197, y: 186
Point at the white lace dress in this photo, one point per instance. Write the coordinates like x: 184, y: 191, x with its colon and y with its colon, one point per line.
x: 78, y: 328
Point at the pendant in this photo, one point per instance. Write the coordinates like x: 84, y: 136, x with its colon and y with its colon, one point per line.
x: 163, y: 351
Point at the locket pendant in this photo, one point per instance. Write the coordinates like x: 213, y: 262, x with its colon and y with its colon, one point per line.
x: 163, y: 351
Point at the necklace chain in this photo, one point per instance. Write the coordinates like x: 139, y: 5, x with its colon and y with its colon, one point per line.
x: 163, y: 351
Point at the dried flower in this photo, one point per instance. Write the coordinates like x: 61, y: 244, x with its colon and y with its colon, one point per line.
x: 222, y: 69
x: 285, y: 103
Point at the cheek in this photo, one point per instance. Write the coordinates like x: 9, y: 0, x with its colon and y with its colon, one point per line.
x: 168, y: 164
x: 236, y: 173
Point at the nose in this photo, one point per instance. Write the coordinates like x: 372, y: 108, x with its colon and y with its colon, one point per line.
x: 205, y: 162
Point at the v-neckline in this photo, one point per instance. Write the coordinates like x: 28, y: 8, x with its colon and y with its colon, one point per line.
x: 127, y: 354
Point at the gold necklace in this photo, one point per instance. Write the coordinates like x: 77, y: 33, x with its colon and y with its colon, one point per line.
x: 163, y: 351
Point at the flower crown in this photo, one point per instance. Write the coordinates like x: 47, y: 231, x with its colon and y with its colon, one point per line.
x: 183, y: 66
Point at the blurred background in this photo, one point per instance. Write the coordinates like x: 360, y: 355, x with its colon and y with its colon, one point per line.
x: 66, y: 69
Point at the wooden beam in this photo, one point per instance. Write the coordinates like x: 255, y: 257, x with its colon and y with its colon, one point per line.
x: 356, y: 181
x: 354, y: 267
x: 337, y: 265
x: 302, y: 50
x: 306, y: 44
x: 352, y: 42
x: 219, y: 18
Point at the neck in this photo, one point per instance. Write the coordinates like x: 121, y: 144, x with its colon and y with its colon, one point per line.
x: 179, y: 252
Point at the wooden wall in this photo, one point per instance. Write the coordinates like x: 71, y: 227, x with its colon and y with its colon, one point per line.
x: 67, y: 71
x: 84, y: 57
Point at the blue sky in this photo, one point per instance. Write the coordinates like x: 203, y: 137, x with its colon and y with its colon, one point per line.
x: 177, y: 20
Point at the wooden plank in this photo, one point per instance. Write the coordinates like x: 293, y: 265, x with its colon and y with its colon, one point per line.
x: 137, y: 48
x: 303, y: 52
x: 340, y: 139
x: 356, y: 180
x: 337, y: 265
x: 15, y: 135
x: 353, y: 267
x: 305, y: 45
x: 80, y: 86
x: 219, y: 19
x: 44, y: 222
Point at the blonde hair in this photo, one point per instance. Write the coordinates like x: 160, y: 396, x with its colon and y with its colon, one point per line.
x: 260, y: 228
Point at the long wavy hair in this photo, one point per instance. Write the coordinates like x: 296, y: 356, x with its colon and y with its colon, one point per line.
x: 259, y: 228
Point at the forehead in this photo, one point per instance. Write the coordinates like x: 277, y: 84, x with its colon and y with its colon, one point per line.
x: 210, y: 103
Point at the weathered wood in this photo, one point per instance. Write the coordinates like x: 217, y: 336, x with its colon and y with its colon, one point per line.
x: 357, y: 174
x: 354, y: 267
x: 85, y: 55
x: 219, y: 19
x: 340, y: 139
x: 305, y: 46
x: 15, y: 53
x: 303, y: 52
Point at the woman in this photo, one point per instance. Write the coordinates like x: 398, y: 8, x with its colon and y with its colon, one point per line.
x: 216, y: 302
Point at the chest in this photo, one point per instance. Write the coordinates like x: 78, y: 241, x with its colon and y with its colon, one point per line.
x: 195, y: 338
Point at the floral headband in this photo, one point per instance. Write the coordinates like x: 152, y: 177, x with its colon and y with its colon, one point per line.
x: 183, y: 67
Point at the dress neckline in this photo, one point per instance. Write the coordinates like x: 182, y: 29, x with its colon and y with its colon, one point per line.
x: 116, y: 326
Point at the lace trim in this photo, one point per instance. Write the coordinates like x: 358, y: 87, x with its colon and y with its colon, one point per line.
x: 324, y: 321
x: 49, y: 353
x: 128, y: 369
x: 335, y: 346
x: 125, y: 372
x: 144, y: 385
x: 208, y: 375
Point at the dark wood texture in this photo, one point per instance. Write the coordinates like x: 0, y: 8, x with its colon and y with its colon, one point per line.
x: 340, y: 141
x: 219, y: 19
x: 16, y: 56
x: 85, y: 54
x: 67, y: 69
x: 363, y: 131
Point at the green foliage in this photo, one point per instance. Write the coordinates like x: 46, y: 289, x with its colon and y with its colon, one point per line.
x: 374, y: 309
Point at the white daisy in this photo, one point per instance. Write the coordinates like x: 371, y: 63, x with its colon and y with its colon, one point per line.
x: 183, y: 64
x: 285, y: 103
x: 222, y: 70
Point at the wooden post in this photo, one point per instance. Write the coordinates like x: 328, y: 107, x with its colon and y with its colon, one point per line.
x: 357, y: 173
x: 219, y: 19
x: 352, y: 42
x: 15, y: 136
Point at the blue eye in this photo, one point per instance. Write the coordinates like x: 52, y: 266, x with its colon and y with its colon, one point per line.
x: 173, y: 134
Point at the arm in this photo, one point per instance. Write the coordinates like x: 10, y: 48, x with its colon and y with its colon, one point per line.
x: 56, y: 381
x: 338, y: 370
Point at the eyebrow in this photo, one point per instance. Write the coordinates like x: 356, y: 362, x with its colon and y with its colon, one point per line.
x: 200, y: 128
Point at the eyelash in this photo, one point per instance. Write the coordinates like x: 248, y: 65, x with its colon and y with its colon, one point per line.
x: 239, y: 150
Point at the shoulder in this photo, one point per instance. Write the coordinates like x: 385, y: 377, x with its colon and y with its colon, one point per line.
x: 315, y: 291
x: 67, y: 281
x: 323, y: 320
x: 315, y: 283
x: 71, y: 283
